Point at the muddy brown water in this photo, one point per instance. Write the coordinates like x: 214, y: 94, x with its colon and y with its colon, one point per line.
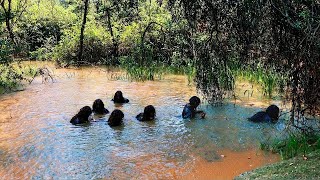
x: 38, y: 142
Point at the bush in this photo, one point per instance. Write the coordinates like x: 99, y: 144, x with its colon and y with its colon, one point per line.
x: 40, y: 33
x: 9, y: 78
x: 40, y: 28
x: 6, y: 50
x: 97, y: 46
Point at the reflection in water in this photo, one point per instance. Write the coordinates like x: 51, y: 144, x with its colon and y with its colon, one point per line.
x: 37, y: 140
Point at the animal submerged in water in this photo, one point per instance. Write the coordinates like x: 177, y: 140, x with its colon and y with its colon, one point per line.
x: 83, y: 116
x: 148, y: 114
x: 118, y: 98
x: 190, y: 109
x: 270, y: 115
x: 98, y: 107
x: 116, y: 118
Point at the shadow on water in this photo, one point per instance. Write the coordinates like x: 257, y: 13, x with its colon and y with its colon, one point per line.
x: 37, y: 140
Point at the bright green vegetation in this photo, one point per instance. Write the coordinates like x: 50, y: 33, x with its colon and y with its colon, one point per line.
x: 219, y: 41
x: 50, y: 29
x: 269, y: 80
x: 294, y: 145
x: 137, y: 35
x: 295, y: 168
x: 12, y: 76
x: 153, y: 71
x: 143, y: 35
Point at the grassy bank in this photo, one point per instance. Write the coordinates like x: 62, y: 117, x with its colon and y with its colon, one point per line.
x: 294, y: 145
x: 301, y: 167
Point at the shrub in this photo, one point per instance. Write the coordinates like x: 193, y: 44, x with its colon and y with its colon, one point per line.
x: 6, y: 50
x: 97, y: 46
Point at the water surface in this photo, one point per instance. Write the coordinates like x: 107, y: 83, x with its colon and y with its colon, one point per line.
x: 37, y: 141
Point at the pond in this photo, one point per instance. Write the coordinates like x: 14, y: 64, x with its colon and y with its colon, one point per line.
x: 37, y: 141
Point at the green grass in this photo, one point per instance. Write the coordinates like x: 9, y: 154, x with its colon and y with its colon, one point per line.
x: 153, y: 71
x: 294, y: 145
x: 139, y: 73
x: 300, y: 167
x: 269, y: 80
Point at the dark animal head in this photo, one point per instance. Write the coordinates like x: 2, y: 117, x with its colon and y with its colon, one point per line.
x: 85, y: 112
x: 118, y: 96
x: 115, y: 118
x: 82, y: 116
x: 98, y: 106
x: 149, y: 113
x: 273, y: 112
x: 194, y: 101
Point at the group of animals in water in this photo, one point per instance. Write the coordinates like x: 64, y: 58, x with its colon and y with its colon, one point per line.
x: 271, y: 114
x: 116, y: 117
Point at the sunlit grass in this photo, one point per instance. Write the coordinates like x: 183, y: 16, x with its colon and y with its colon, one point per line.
x: 154, y: 71
x: 294, y: 145
x: 269, y: 80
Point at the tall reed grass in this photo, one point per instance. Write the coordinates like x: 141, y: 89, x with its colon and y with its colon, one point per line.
x: 154, y: 71
x: 269, y: 80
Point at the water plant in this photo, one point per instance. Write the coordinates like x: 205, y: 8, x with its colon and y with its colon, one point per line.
x: 138, y: 72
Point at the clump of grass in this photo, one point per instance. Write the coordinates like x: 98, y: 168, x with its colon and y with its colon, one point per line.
x: 153, y: 71
x: 293, y: 146
x: 143, y: 73
x: 190, y: 72
x: 138, y: 72
x: 269, y: 79
x: 295, y: 168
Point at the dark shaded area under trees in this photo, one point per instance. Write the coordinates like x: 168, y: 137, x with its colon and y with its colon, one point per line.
x: 283, y: 36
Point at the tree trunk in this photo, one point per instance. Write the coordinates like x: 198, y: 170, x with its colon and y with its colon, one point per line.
x: 115, y: 52
x: 143, y: 37
x: 86, y: 4
x: 7, y: 13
